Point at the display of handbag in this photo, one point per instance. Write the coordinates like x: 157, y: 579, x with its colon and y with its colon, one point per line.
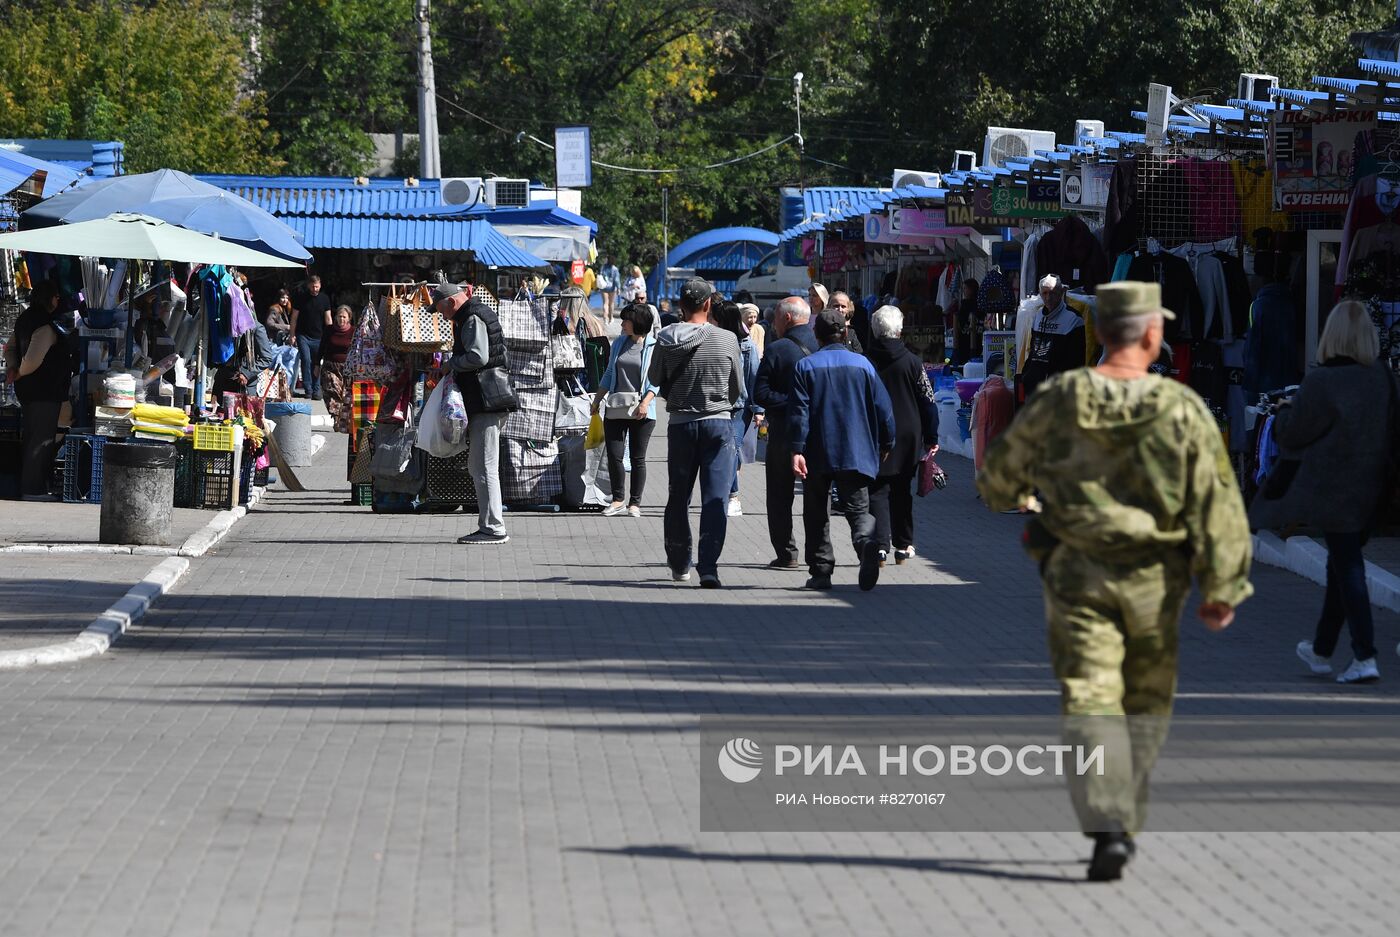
x: 412, y: 324
x: 368, y: 359
x: 567, y: 352
x: 571, y: 414
x: 622, y: 405
x: 360, y: 471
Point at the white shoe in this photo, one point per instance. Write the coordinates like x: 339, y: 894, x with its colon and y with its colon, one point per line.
x: 681, y: 576
x: 1360, y: 671
x: 735, y: 508
x: 613, y: 510
x: 634, y: 510
x: 1318, y: 665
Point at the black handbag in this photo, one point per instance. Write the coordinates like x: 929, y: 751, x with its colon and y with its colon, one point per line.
x: 497, y: 394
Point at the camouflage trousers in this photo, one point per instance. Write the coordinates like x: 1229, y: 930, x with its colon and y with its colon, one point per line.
x: 1113, y: 644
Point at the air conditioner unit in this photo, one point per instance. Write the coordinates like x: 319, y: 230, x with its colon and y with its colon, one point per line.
x: 1159, y: 110
x: 1007, y: 143
x: 908, y: 177
x: 1084, y: 129
x: 964, y: 161
x: 1256, y: 87
x: 508, y: 193
x: 463, y: 190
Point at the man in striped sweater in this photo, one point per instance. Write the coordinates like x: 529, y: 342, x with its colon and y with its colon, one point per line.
x: 697, y: 367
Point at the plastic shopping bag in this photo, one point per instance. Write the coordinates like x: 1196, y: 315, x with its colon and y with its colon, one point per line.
x: 594, y: 439
x: 931, y: 476
x: 452, y: 412
x: 430, y: 436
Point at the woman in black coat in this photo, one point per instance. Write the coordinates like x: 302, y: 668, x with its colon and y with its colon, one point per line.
x: 1334, y: 440
x: 916, y: 432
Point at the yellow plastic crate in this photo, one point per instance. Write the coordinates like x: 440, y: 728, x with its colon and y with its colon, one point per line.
x: 213, y: 438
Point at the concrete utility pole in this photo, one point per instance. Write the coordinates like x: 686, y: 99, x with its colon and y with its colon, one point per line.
x: 429, y: 157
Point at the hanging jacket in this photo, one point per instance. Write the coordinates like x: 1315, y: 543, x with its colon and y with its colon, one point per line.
x: 1271, y: 354
x: 1071, y: 252
x: 1180, y: 293
x: 1122, y: 221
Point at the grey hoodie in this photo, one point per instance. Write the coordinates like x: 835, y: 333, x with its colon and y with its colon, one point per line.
x: 697, y: 367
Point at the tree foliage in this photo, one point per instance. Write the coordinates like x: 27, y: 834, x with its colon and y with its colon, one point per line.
x: 165, y: 78
x: 665, y: 84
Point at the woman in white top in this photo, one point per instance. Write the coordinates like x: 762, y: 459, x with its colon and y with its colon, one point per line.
x: 634, y: 287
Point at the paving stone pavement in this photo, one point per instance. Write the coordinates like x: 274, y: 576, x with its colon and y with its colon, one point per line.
x: 48, y: 598
x: 345, y: 723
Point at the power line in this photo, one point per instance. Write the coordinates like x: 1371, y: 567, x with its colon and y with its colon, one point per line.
x: 523, y: 135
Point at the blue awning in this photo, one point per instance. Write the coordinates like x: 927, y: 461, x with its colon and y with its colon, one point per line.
x: 476, y: 237
x: 16, y: 169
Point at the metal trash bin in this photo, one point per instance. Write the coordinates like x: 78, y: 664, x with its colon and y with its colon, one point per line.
x: 293, y: 432
x: 138, y: 493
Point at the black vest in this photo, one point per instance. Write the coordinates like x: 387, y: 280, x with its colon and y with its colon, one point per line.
x: 468, y: 382
x: 49, y: 383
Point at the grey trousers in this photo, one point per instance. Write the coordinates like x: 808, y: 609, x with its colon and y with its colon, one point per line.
x: 484, y: 460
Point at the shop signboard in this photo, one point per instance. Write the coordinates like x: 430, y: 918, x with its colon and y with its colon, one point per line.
x: 1085, y: 187
x: 974, y: 210
x: 1040, y: 198
x: 836, y: 255
x: 1311, y: 158
x: 573, y: 157
x: 912, y: 226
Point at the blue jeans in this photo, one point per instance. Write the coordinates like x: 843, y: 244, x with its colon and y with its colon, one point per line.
x: 741, y: 426
x: 310, y: 350
x: 703, y: 449
x: 1347, y: 599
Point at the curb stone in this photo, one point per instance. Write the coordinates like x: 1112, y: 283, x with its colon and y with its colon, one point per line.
x: 1306, y: 557
x: 107, y: 627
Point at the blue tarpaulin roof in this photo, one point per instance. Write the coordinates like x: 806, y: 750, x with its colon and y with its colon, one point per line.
x: 98, y: 158
x: 476, y: 236
x: 17, y: 168
x: 722, y: 254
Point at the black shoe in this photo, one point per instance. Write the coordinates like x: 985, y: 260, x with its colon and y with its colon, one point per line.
x: 782, y: 563
x: 820, y: 583
x: 871, y: 559
x: 710, y: 582
x: 1112, y: 851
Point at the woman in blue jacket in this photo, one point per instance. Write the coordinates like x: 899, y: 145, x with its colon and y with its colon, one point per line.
x: 628, y: 401
x: 730, y: 317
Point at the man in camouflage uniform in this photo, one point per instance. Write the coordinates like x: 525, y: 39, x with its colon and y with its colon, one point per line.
x: 1138, y: 496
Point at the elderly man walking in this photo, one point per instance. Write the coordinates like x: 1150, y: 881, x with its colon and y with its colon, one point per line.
x: 772, y: 387
x: 1138, y: 497
x: 842, y: 428
x: 479, y: 369
x: 696, y: 366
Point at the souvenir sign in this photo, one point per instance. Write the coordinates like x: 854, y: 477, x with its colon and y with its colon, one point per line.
x: 1311, y: 158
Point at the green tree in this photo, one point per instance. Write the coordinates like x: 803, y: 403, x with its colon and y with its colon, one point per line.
x: 166, y: 78
x: 333, y: 72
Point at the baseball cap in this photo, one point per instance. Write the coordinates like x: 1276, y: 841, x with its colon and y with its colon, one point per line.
x: 830, y: 323
x: 445, y: 291
x: 1128, y: 298
x: 695, y: 291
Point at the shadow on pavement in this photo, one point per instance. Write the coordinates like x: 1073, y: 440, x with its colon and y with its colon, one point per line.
x: 987, y: 868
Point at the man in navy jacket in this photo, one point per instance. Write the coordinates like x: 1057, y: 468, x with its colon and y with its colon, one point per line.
x: 841, y: 426
x: 771, y: 389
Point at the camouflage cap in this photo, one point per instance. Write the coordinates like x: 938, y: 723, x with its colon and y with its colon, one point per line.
x: 1129, y: 298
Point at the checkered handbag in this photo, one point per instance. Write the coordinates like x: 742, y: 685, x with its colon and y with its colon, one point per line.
x: 414, y: 325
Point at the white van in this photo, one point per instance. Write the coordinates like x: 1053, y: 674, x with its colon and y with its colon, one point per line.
x: 770, y: 280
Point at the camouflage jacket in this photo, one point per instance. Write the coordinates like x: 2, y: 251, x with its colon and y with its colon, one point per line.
x: 1126, y: 469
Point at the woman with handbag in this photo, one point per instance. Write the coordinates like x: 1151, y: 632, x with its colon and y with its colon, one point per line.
x: 335, y: 388
x: 1335, y: 439
x: 630, y: 413
x: 915, y: 433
